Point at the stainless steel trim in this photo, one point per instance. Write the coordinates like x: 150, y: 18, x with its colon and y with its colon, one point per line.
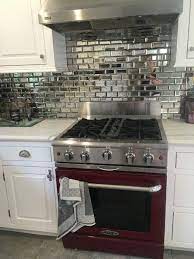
x: 129, y: 169
x: 71, y: 11
x: 151, y: 189
x: 75, y: 142
x: 108, y: 169
x: 111, y: 233
x: 91, y: 109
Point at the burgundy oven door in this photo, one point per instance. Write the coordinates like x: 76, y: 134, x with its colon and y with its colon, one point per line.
x: 126, y: 205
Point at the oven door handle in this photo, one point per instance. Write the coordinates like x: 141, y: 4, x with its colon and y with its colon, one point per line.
x: 108, y: 169
x: 151, y: 189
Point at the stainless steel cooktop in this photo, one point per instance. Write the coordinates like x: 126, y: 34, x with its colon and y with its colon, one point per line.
x: 126, y: 142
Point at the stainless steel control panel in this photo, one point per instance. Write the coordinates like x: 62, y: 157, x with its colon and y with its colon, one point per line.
x: 131, y: 156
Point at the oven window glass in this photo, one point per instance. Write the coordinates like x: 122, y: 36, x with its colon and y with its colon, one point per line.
x: 124, y: 210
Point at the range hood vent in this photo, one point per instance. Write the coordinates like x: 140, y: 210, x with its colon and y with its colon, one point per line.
x: 88, y: 15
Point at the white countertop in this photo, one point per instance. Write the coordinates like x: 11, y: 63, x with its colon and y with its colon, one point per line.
x: 179, y: 132
x: 46, y: 130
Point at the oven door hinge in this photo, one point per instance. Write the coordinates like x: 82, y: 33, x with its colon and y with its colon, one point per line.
x: 9, y: 213
x: 3, y: 177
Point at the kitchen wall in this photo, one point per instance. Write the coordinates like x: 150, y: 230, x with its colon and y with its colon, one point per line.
x: 125, y: 64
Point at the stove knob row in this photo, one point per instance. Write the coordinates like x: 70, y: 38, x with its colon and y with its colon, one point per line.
x: 107, y: 155
x: 130, y: 156
x: 85, y: 156
x: 68, y: 155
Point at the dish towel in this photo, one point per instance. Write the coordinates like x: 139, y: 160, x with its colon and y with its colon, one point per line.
x: 74, y: 206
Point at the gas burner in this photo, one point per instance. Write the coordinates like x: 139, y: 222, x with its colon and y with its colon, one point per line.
x: 86, y: 129
x: 115, y: 128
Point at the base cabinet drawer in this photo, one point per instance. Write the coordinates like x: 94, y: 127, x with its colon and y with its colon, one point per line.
x: 185, y: 160
x: 183, y: 229
x: 184, y: 191
x: 25, y: 153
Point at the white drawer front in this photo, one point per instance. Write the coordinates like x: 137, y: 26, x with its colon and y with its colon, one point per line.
x: 185, y: 160
x: 184, y: 191
x: 40, y: 154
x: 183, y: 228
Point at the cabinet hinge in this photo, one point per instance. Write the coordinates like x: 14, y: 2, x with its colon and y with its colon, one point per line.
x: 3, y: 177
x: 9, y: 213
x: 172, y: 233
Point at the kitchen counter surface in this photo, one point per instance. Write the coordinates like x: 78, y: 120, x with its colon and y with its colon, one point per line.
x: 179, y: 132
x: 46, y: 130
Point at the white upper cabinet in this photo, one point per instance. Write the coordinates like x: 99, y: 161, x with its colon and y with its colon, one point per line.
x: 185, y: 37
x: 25, y: 45
x: 191, y: 33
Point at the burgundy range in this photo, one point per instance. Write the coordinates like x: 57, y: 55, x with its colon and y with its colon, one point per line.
x: 120, y: 150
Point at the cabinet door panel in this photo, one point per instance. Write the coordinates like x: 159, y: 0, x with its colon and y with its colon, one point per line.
x: 183, y: 230
x: 31, y: 197
x: 4, y: 217
x: 191, y: 32
x: 30, y: 202
x: 184, y: 160
x: 22, y: 38
x: 184, y: 191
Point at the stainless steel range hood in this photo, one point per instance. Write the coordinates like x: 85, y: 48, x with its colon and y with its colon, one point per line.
x: 85, y: 15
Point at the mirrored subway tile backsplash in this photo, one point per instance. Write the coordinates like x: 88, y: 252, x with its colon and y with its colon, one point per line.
x: 127, y: 64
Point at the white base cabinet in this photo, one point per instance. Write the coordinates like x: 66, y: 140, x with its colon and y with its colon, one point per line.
x: 28, y: 193
x: 179, y: 232
x: 4, y: 208
x: 31, y: 197
x: 183, y: 229
x: 26, y: 45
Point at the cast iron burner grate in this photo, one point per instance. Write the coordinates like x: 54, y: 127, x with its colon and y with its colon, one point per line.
x: 115, y: 128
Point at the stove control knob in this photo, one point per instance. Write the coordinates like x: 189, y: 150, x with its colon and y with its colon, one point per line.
x: 148, y: 157
x: 85, y: 156
x: 107, y: 155
x: 68, y: 155
x: 130, y: 156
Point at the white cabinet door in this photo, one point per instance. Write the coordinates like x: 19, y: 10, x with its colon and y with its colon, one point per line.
x: 184, y: 160
x: 184, y: 191
x: 31, y: 197
x: 4, y: 216
x: 185, y: 38
x: 183, y: 230
x: 190, y: 50
x: 22, y: 38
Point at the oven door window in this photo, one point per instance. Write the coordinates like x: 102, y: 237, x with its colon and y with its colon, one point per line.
x: 120, y: 209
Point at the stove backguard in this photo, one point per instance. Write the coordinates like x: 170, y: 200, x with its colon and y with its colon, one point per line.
x: 139, y: 108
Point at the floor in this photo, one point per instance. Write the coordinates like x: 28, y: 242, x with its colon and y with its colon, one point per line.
x: 24, y: 246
